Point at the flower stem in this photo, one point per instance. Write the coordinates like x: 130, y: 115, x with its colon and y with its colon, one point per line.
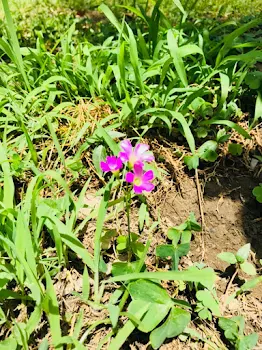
x: 128, y: 205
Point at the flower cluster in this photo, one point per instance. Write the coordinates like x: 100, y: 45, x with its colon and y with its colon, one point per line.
x: 135, y: 159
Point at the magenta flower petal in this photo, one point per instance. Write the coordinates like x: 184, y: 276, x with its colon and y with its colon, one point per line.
x: 147, y: 157
x: 138, y: 170
x: 130, y: 177
x: 119, y: 163
x: 147, y: 186
x: 141, y: 148
x: 123, y: 156
x: 148, y: 176
x: 104, y: 167
x: 126, y: 146
x: 138, y: 189
x: 112, y: 164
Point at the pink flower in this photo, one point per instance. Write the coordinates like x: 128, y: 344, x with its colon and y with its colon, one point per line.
x: 141, y: 180
x: 138, y: 155
x: 112, y: 164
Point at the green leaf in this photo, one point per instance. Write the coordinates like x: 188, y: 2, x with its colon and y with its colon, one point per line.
x: 248, y: 268
x: 248, y: 342
x: 174, y: 234
x: 208, y: 151
x: 249, y: 285
x: 209, y: 301
x: 177, y: 59
x: 201, y: 132
x: 257, y: 192
x: 114, y: 312
x: 205, y: 314
x: 149, y: 291
x: 175, y: 324
x: 142, y: 215
x: 235, y: 149
x: 192, y: 224
x: 137, y: 308
x: 52, y: 310
x: 227, y: 257
x: 123, y: 268
x: 164, y: 251
x: 106, y: 238
x: 243, y: 253
x: 160, y: 302
x: 230, y: 124
x: 205, y: 276
x: 86, y: 285
x: 8, y: 344
x: 258, y: 108
x: 229, y: 327
x: 192, y: 162
x: 99, y: 154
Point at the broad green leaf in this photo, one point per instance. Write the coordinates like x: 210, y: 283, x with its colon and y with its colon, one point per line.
x: 248, y: 268
x: 209, y: 301
x: 175, y: 324
x: 243, y: 253
x: 137, y: 308
x: 229, y: 327
x: 249, y: 285
x: 248, y: 342
x: 227, y: 257
x: 149, y: 291
x: 192, y: 162
x: 207, y: 151
x: 8, y: 344
x: 235, y: 149
x: 123, y: 268
x: 257, y: 192
x: 99, y: 154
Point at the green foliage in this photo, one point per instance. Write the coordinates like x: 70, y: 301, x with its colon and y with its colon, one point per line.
x: 257, y: 192
x: 180, y: 237
x: 234, y: 332
x: 239, y: 259
x: 188, y: 80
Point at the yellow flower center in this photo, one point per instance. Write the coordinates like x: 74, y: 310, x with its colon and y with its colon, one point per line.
x: 137, y: 181
x: 132, y: 159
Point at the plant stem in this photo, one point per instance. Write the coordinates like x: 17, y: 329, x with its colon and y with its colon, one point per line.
x: 138, y: 269
x: 231, y: 281
x: 94, y: 325
x: 128, y: 205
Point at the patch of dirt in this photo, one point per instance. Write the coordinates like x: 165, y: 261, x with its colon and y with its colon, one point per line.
x: 232, y: 215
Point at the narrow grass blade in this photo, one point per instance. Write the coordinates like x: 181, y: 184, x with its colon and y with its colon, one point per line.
x: 9, y: 188
x: 99, y: 227
x: 52, y: 311
x: 15, y: 43
x: 258, y: 109
x: 232, y: 125
x: 205, y: 276
x: 177, y: 59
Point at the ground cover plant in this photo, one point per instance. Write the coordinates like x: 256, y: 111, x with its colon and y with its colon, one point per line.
x: 80, y: 106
